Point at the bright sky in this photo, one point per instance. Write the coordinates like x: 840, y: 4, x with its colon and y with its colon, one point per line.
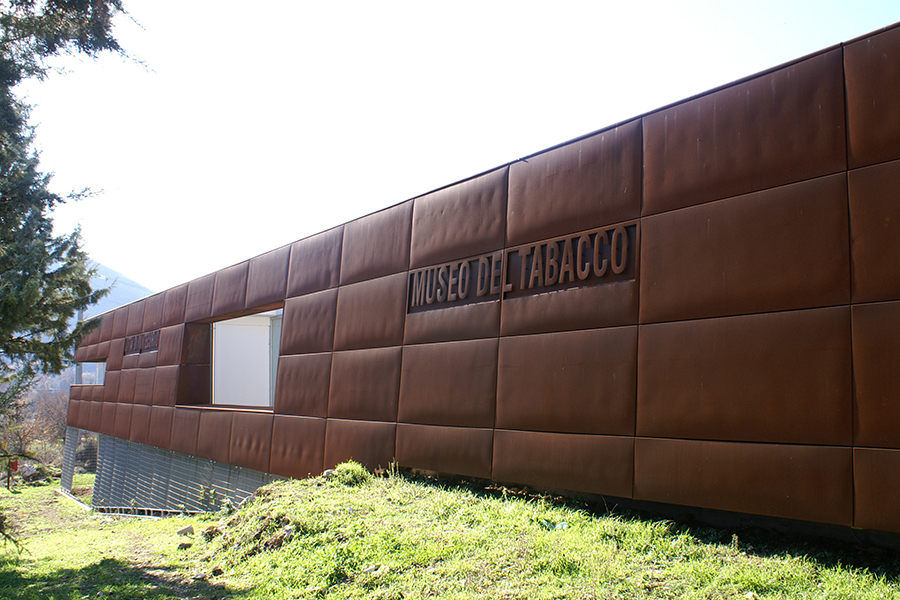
x: 257, y: 124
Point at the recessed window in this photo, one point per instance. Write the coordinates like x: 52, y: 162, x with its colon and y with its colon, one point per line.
x: 245, y: 359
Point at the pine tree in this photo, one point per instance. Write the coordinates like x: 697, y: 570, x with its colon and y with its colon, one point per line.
x: 44, y: 279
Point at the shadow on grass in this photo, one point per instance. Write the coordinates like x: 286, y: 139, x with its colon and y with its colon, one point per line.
x: 755, y: 541
x: 108, y: 579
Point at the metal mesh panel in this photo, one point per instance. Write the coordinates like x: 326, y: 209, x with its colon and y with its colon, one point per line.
x: 73, y: 436
x: 136, y: 478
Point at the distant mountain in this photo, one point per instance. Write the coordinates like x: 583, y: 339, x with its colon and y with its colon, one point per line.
x: 124, y: 290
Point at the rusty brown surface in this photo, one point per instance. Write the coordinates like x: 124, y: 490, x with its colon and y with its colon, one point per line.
x: 308, y: 323
x: 251, y: 440
x: 776, y: 377
x: 315, y: 263
x: 214, y: 434
x: 122, y: 426
x: 453, y: 383
x: 876, y: 356
x: 781, y: 249
x: 298, y: 445
x: 376, y: 245
x: 140, y: 424
x: 165, y: 385
x: 369, y: 443
x: 199, y: 298
x: 301, y: 387
x: 774, y: 129
x: 174, y: 305
x: 160, y: 432
x: 185, y: 425
x: 153, y: 312
x: 365, y: 384
x: 464, y: 219
x: 458, y: 450
x: 876, y: 488
x: 597, y: 464
x: 267, y: 278
x: 872, y: 71
x: 809, y: 483
x: 572, y: 382
x: 72, y: 412
x: 463, y: 322
x: 371, y: 314
x: 875, y: 231
x: 143, y: 386
x: 592, y: 182
x: 135, y: 322
x: 230, y: 290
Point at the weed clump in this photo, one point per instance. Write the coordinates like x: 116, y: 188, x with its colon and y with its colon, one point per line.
x: 350, y: 474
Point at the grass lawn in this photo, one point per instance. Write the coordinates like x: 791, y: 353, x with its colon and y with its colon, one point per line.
x: 357, y: 536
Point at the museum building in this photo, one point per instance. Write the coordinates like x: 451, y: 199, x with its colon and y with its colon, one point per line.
x: 697, y: 307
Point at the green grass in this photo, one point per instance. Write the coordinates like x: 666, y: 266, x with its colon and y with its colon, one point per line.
x: 353, y: 535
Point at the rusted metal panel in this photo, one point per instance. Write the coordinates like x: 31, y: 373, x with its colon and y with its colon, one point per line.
x: 143, y: 386
x: 776, y: 377
x: 251, y: 440
x: 199, y: 298
x: 810, y: 483
x: 72, y: 412
x: 116, y: 354
x: 573, y: 382
x: 872, y: 71
x: 214, y: 434
x: 876, y: 475
x: 298, y: 446
x: 592, y: 182
x: 371, y: 314
x: 367, y: 442
x: 106, y: 326
x: 463, y: 322
x: 140, y: 424
x: 597, y: 464
x: 171, y: 341
x: 153, y: 312
x: 174, y: 305
x: 308, y: 324
x: 120, y: 322
x: 135, y: 323
x: 365, y: 384
x: 267, y: 278
x: 160, y: 431
x: 302, y: 385
x: 558, y: 284
x: 781, y: 249
x: 876, y: 378
x: 453, y: 383
x: 465, y: 219
x: 777, y: 128
x: 315, y: 263
x: 127, y: 382
x: 875, y: 231
x: 230, y: 290
x: 165, y: 385
x: 457, y: 450
x: 111, y: 386
x: 194, y: 385
x: 376, y: 245
x: 185, y: 425
x: 122, y: 427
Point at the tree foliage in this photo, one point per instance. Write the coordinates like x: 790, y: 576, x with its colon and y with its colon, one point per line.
x: 44, y: 278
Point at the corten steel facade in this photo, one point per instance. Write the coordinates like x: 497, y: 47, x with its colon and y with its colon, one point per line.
x: 698, y: 307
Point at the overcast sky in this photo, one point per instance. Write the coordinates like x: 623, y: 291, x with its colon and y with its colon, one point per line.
x: 250, y: 125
